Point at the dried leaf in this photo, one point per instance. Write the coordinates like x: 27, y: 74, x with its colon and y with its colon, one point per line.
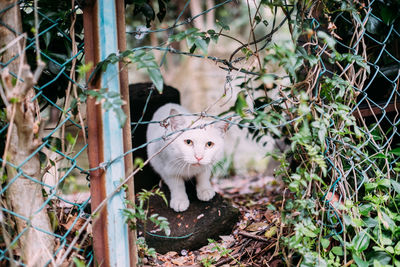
x: 271, y: 232
x: 179, y: 261
x: 258, y: 226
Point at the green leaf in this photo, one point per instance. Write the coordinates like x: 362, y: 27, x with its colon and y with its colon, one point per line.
x: 327, y: 39
x: 112, y: 94
x: 241, y: 104
x: 294, y: 186
x: 70, y: 139
x: 191, y: 31
x: 383, y: 183
x: 308, y: 232
x: 387, y: 222
x: 213, y: 35
x: 42, y: 158
x: 361, y: 241
x: 390, y: 249
x: 388, y: 14
x: 120, y: 116
x: 156, y: 78
x: 395, y: 185
x: 223, y: 25
x: 325, y: 242
x: 337, y: 251
x: 78, y: 262
x: 190, y: 40
x: 379, y: 256
x: 397, y: 248
x: 107, y: 105
x: 379, y: 156
x: 138, y: 163
x: 395, y: 151
x: 359, y: 261
x: 202, y: 44
x: 370, y: 186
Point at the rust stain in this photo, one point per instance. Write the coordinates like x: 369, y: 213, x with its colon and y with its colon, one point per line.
x: 124, y: 89
x: 95, y: 140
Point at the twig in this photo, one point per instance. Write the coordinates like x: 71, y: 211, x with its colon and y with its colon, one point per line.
x: 9, y: 131
x: 281, y: 228
x: 10, y: 44
x: 73, y: 67
x: 226, y: 260
x: 3, y: 96
x: 255, y: 237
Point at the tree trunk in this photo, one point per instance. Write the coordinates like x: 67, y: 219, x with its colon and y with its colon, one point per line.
x: 24, y: 196
x: 210, y: 17
x: 195, y: 9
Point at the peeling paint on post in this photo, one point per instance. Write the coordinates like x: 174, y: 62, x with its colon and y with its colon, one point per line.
x: 110, y: 232
x: 112, y: 138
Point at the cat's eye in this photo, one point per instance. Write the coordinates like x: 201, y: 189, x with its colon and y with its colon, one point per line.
x: 188, y: 142
x: 209, y: 144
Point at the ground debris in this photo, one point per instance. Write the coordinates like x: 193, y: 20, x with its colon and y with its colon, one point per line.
x: 253, y: 240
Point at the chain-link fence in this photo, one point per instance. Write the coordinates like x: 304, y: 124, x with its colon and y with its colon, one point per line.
x: 44, y: 162
x: 370, y: 38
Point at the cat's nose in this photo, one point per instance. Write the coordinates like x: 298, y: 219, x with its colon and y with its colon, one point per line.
x: 198, y: 158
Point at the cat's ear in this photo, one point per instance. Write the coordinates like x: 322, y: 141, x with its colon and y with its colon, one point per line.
x: 177, y: 122
x: 222, y: 126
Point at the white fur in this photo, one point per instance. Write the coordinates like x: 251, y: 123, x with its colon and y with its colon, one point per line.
x: 178, y: 162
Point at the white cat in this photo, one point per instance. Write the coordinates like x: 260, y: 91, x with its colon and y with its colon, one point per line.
x: 192, y: 153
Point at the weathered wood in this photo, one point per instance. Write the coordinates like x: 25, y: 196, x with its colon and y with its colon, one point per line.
x: 128, y: 159
x: 24, y: 196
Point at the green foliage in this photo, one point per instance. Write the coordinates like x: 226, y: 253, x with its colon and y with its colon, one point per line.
x: 142, y: 59
x: 146, y: 60
x: 195, y: 39
x: 141, y: 212
x: 208, y: 262
x: 144, y: 250
x: 223, y: 252
x: 110, y: 100
x: 78, y: 262
x: 342, y: 174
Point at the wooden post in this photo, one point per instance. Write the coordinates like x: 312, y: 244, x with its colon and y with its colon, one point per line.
x: 110, y: 232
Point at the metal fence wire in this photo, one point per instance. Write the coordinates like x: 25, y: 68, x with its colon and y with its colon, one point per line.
x: 373, y: 36
x: 61, y: 152
x: 61, y: 148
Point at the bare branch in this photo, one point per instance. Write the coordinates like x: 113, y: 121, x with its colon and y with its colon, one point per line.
x: 3, y: 96
x: 40, y: 67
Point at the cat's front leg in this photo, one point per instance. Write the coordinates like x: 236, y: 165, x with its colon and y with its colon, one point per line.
x: 179, y: 199
x: 204, y: 189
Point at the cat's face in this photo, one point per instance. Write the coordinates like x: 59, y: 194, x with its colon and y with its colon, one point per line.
x: 199, y: 146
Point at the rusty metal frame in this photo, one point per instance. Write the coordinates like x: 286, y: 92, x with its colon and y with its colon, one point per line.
x: 124, y: 86
x: 101, y: 241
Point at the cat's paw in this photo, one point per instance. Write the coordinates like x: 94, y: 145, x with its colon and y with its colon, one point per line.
x: 205, y: 194
x: 179, y: 204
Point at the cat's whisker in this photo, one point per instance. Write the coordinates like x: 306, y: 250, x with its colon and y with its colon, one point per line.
x: 181, y: 167
x: 176, y: 162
